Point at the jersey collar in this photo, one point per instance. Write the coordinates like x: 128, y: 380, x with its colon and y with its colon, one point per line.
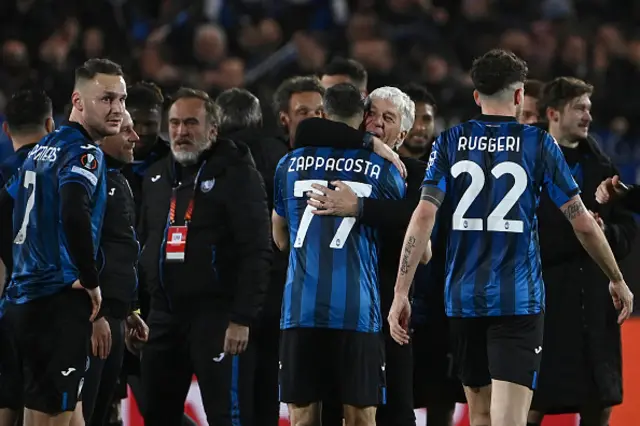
x: 80, y: 128
x: 495, y: 118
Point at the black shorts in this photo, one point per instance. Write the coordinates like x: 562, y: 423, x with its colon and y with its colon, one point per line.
x: 52, y: 337
x: 317, y: 363
x: 10, y: 370
x: 435, y: 381
x: 507, y: 348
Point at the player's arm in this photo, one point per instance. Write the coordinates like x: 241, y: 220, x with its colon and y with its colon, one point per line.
x: 591, y: 237
x: 279, y: 227
x: 564, y: 191
x: 249, y: 220
x: 280, y: 231
x: 415, y: 248
x: 78, y: 180
x: 418, y: 234
x: 6, y: 232
x: 316, y: 131
x: 394, y: 214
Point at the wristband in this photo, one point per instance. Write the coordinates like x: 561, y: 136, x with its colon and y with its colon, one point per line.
x: 360, y: 207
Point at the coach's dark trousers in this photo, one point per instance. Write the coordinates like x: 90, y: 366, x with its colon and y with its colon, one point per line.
x: 266, y: 337
x: 182, y: 345
x: 398, y: 410
x: 102, y: 378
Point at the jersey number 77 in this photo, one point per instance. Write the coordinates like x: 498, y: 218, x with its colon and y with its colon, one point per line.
x: 346, y: 225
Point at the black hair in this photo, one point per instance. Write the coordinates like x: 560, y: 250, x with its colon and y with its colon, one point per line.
x: 209, y: 105
x: 94, y: 66
x: 496, y: 70
x: 533, y: 88
x: 239, y: 109
x: 27, y: 110
x: 344, y: 101
x: 349, y: 67
x: 560, y: 91
x: 418, y: 93
x: 292, y: 86
x: 145, y: 95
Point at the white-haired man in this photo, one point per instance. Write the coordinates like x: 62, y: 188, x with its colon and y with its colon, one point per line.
x: 389, y: 116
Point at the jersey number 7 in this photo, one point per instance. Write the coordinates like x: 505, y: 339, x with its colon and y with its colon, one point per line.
x: 29, y: 179
x: 342, y: 233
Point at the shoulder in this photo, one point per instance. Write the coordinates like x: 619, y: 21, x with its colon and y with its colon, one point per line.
x: 158, y: 166
x: 413, y: 165
x: 594, y: 147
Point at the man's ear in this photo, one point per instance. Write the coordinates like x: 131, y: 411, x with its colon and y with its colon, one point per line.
x: 5, y: 129
x: 50, y: 125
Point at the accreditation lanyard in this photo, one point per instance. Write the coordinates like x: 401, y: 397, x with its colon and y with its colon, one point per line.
x: 174, y: 200
x: 177, y: 235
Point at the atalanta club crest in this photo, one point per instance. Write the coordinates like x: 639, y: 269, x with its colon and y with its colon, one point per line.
x: 207, y: 185
x: 89, y: 161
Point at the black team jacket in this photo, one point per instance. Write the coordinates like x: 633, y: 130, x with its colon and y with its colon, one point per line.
x: 119, y: 248
x: 228, y: 248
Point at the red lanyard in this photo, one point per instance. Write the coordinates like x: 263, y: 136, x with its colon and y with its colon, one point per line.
x: 174, y: 196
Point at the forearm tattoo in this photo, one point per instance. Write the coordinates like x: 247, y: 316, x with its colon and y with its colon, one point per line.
x: 408, y: 248
x: 574, y: 210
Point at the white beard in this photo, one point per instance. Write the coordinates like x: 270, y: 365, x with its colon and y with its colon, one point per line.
x: 188, y: 158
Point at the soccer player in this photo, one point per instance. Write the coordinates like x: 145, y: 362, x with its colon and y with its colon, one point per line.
x: 390, y: 115
x: 29, y: 118
x: 530, y: 112
x: 58, y: 210
x: 331, y: 320
x: 341, y: 70
x: 493, y: 168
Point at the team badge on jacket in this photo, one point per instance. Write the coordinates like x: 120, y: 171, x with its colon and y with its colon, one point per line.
x: 207, y: 185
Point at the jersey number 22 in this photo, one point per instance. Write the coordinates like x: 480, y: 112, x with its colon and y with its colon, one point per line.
x: 496, y: 221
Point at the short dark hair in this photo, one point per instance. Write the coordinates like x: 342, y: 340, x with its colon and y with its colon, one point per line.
x: 27, y: 110
x: 419, y: 93
x: 344, y: 101
x: 239, y: 109
x: 496, y: 70
x: 292, y: 86
x: 145, y: 94
x: 210, y: 106
x: 94, y: 66
x: 560, y: 91
x: 533, y: 88
x: 349, y: 67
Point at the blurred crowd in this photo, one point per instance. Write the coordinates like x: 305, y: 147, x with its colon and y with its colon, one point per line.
x: 218, y: 44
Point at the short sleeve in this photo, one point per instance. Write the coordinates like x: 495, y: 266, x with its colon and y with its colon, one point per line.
x: 12, y: 186
x: 558, y: 180
x: 397, y: 187
x: 437, y: 166
x: 278, y: 184
x: 84, y: 167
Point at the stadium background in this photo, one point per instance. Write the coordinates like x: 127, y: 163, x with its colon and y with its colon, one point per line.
x: 218, y: 44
